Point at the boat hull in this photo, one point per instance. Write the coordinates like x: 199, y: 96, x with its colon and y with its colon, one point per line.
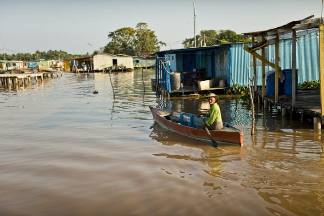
x: 227, y: 135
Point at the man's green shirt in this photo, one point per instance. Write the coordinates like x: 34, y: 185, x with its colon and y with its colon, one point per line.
x: 214, y: 115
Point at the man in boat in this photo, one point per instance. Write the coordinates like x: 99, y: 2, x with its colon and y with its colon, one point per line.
x: 214, y: 120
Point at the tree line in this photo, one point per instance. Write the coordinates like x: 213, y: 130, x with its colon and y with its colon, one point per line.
x: 138, y: 41
x: 46, y: 55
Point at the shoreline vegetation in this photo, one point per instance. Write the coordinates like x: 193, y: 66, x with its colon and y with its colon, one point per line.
x: 134, y: 41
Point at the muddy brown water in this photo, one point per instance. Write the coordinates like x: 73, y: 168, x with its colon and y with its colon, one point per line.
x: 67, y: 151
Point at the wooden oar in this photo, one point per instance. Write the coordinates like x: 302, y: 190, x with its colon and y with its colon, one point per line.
x: 214, y: 143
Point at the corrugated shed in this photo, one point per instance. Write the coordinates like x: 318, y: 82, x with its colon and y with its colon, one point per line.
x: 241, y: 66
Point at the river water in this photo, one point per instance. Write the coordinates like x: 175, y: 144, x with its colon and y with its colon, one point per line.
x: 67, y: 151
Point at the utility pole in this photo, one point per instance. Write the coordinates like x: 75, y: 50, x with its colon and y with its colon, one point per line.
x: 194, y: 16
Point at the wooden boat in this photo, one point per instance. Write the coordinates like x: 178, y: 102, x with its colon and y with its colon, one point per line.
x: 227, y: 134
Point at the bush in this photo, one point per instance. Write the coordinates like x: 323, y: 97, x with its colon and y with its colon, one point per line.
x: 309, y: 85
x: 243, y: 91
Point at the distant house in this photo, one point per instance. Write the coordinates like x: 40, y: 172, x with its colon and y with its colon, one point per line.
x: 32, y: 65
x: 101, y: 62
x: 11, y: 65
x: 140, y: 62
x: 3, y: 65
x: 112, y: 62
x: 81, y: 64
x: 67, y: 65
x: 49, y: 65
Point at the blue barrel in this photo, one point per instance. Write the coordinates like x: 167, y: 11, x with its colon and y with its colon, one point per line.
x: 287, y: 73
x: 270, y: 84
x: 187, y: 119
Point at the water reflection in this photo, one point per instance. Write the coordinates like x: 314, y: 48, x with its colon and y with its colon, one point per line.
x: 62, y: 145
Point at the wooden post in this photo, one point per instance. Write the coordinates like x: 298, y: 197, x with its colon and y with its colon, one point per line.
x: 277, y: 73
x: 293, y: 66
x: 263, y: 70
x: 254, y: 68
x: 317, y: 124
x: 321, y: 54
x: 252, y: 109
x: 16, y: 83
x: 283, y: 112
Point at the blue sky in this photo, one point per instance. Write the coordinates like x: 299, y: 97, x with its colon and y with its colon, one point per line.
x: 82, y: 26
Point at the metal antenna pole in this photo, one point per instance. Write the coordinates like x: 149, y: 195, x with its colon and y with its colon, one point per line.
x: 194, y: 13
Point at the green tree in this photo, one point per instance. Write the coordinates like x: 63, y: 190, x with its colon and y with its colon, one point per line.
x: 121, y: 41
x: 213, y: 37
x: 146, y: 41
x: 229, y: 36
x: 140, y: 41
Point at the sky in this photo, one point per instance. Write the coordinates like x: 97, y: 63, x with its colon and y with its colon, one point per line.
x: 80, y: 26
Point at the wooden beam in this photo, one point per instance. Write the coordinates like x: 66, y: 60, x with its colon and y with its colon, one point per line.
x: 259, y: 57
x: 277, y: 73
x: 263, y: 70
x: 321, y: 54
x: 293, y: 67
x: 260, y: 45
x: 254, y: 68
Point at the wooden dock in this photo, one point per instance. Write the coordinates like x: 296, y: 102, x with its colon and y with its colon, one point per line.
x: 307, y: 105
x: 21, y: 81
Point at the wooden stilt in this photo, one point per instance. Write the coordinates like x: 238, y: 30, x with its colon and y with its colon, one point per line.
x: 283, y: 112
x: 254, y: 69
x: 317, y: 124
x: 277, y: 68
x: 263, y: 70
x: 293, y: 66
x: 321, y: 54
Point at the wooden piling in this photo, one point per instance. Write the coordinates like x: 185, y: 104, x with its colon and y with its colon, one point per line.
x: 263, y: 70
x: 277, y: 68
x: 321, y: 54
x: 283, y: 112
x: 317, y: 124
x: 293, y: 66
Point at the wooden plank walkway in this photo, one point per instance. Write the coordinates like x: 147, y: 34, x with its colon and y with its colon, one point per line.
x: 307, y: 101
x: 190, y: 90
x: 17, y: 81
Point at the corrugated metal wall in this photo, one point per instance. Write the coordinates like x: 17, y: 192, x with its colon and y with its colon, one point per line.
x: 241, y: 66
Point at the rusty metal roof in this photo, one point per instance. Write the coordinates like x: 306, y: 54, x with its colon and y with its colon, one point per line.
x: 284, y: 28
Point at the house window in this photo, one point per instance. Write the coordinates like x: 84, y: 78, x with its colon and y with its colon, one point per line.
x: 114, y: 62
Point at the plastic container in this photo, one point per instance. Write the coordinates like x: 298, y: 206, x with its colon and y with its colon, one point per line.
x: 204, y: 85
x: 175, y: 81
x: 221, y: 83
x: 187, y: 119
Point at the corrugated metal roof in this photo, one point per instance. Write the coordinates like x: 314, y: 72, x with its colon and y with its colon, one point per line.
x: 192, y: 50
